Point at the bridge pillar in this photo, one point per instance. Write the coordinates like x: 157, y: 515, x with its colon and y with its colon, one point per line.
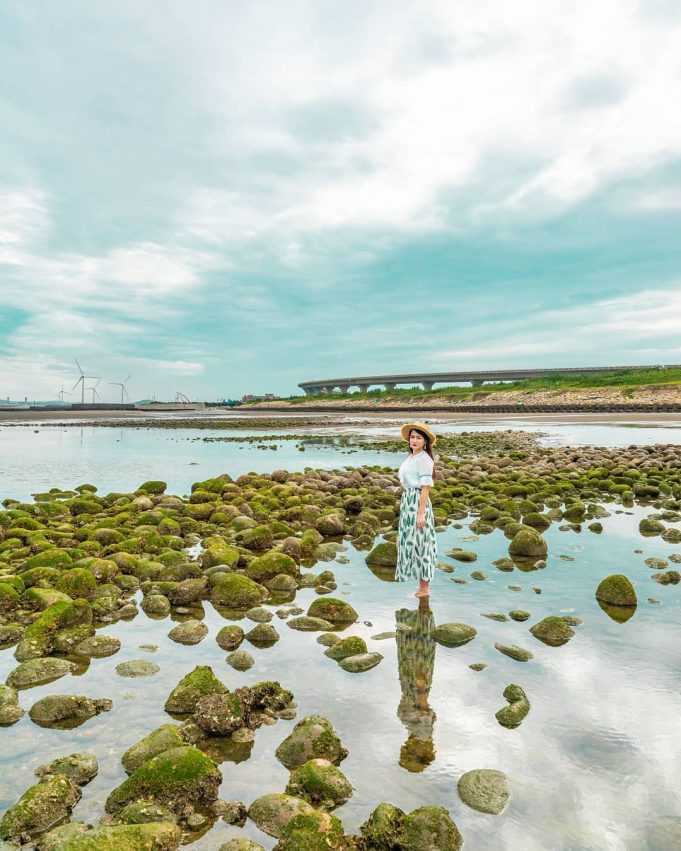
x: 477, y: 382
x: 427, y: 385
x: 344, y: 388
x: 310, y: 391
x: 363, y: 388
x: 389, y: 385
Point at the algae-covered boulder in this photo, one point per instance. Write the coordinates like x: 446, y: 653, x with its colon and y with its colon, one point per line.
x: 484, y: 790
x: 518, y: 706
x: 220, y: 714
x: 273, y: 563
x: 40, y: 808
x: 57, y: 838
x: 274, y: 811
x: 235, y: 591
x: 453, y: 634
x: 241, y: 845
x: 616, y: 590
x: 151, y: 836
x: 78, y: 583
x: 553, y: 631
x: 513, y: 651
x: 40, y: 637
x: 137, y: 668
x: 320, y: 783
x: 240, y: 660
x: 38, y: 672
x: 462, y: 555
x: 9, y: 597
x: 424, y: 829
x: 259, y: 538
x: 304, y: 623
x: 195, y: 685
x: 318, y: 831
x: 10, y: 711
x: 333, y: 610
x: 218, y: 551
x: 230, y: 637
x: 649, y: 527
x: 383, y: 555
x: 189, y: 632
x: 98, y: 646
x: 312, y: 738
x: 263, y: 635
x: 350, y: 646
x: 156, y: 604
x: 330, y: 525
x: 161, y: 739
x: 79, y: 767
x: 153, y: 487
x: 174, y: 778
x: 360, y: 662
x: 53, y: 557
x: 527, y: 543
x: 67, y: 710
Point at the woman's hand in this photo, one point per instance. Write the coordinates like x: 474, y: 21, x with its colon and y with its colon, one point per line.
x: 420, y: 519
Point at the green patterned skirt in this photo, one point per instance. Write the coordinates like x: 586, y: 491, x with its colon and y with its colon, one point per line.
x: 416, y: 548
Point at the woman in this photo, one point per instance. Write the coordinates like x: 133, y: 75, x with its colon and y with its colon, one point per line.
x: 416, y: 662
x: 416, y: 541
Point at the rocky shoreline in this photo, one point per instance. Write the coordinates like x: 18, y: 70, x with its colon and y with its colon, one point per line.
x: 73, y: 562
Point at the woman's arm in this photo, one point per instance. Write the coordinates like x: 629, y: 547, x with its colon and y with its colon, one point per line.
x: 421, y: 511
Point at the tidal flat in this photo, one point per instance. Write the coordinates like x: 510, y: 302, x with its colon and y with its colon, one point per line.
x: 438, y: 728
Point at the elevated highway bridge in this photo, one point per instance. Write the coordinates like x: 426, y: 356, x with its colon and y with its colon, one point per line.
x: 475, y: 377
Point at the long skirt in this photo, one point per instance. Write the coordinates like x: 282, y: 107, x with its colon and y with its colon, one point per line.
x: 416, y: 548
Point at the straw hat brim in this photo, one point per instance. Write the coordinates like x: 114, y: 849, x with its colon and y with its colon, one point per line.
x: 407, y: 427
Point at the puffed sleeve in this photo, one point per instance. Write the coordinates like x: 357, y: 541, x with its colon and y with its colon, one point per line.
x: 425, y: 470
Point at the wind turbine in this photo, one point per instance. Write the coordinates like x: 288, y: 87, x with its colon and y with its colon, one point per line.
x: 81, y: 381
x: 94, y: 392
x: 63, y: 393
x: 124, y: 389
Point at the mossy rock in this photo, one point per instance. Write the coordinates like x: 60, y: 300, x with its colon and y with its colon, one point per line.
x: 156, y: 488
x: 381, y: 830
x: 312, y: 738
x: 350, y: 646
x: 240, y: 660
x: 9, y: 597
x: 143, y: 812
x: 197, y: 683
x: 258, y: 538
x: 230, y: 637
x: 220, y: 714
x: 163, y: 738
x: 10, y: 711
x: 67, y: 710
x: 333, y: 610
x: 462, y: 555
x: 616, y: 590
x: 317, y: 831
x: 263, y: 634
x: 453, y: 634
x: 320, y: 783
x: 274, y: 811
x: 40, y: 808
x: 38, y: 672
x: 235, y: 591
x: 77, y: 583
x: 273, y: 563
x: 553, y: 631
x: 241, y: 845
x: 40, y: 577
x: 39, y: 599
x: 484, y: 790
x: 156, y: 604
x: 219, y: 552
x: 429, y: 828
x: 79, y: 767
x: 360, y: 662
x: 151, y: 836
x: 308, y: 624
x: 650, y: 527
x: 527, y: 543
x: 383, y: 555
x: 174, y: 778
x: 53, y: 557
x: 512, y: 715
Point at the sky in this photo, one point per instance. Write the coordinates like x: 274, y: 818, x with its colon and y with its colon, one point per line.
x: 220, y: 198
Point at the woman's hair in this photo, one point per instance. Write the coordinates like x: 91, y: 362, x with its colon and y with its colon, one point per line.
x: 427, y: 447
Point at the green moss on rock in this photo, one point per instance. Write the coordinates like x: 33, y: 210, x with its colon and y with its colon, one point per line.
x: 333, y: 610
x: 312, y: 738
x: 236, y: 591
x: 197, y: 683
x: 40, y: 808
x: 616, y: 590
x: 273, y: 563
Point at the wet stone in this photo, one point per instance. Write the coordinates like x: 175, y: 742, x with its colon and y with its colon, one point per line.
x: 190, y: 632
x: 80, y: 767
x: 519, y: 615
x: 240, y: 660
x: 38, y: 672
x: 495, y: 616
x: 512, y: 715
x: 98, y: 646
x: 361, y: 662
x: 484, y: 790
x: 137, y: 668
x: 514, y: 652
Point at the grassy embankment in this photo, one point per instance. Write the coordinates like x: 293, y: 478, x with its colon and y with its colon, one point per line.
x: 628, y: 380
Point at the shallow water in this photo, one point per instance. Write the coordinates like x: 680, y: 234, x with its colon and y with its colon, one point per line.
x: 593, y: 766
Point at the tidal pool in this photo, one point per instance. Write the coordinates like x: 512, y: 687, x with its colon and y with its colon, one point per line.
x: 593, y: 766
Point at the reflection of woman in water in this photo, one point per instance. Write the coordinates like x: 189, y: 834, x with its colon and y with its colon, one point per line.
x: 416, y: 661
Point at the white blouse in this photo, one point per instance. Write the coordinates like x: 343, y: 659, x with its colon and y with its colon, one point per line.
x: 416, y: 471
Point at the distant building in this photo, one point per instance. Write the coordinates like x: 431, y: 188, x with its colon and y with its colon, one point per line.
x: 267, y: 397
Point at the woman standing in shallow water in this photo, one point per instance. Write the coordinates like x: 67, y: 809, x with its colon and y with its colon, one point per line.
x: 416, y: 541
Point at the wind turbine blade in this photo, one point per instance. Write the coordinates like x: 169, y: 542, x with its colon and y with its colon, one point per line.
x: 77, y: 383
x: 80, y: 370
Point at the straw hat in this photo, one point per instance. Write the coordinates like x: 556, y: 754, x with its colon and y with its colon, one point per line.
x: 407, y: 427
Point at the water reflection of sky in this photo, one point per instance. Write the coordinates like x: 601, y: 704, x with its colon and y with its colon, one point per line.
x: 593, y: 766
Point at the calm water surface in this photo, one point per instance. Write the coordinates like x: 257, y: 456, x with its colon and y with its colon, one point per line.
x: 593, y: 766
